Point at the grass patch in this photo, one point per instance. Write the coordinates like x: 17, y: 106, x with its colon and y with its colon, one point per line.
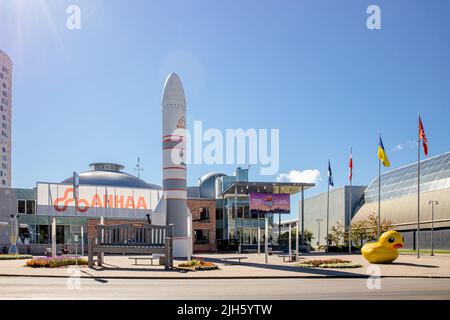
x: 198, y: 265
x: 15, y: 256
x: 328, y: 263
x: 55, y: 262
x: 424, y: 251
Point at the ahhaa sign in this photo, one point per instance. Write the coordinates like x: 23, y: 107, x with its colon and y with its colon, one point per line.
x: 95, y: 201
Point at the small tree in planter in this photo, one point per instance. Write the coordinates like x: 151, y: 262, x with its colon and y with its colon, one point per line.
x: 372, y: 224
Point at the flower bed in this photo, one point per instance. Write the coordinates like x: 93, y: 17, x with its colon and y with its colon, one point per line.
x: 55, y: 262
x: 198, y: 265
x: 15, y: 256
x: 328, y: 263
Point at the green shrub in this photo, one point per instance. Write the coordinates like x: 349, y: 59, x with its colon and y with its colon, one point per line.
x: 328, y: 263
x: 199, y: 265
x: 55, y: 262
x: 15, y: 256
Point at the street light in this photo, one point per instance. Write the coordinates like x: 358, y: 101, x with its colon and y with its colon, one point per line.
x: 318, y: 220
x: 432, y: 202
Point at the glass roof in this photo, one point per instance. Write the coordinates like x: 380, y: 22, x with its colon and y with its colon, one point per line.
x: 434, y: 175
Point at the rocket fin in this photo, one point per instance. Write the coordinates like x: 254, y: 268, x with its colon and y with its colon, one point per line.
x: 159, y: 214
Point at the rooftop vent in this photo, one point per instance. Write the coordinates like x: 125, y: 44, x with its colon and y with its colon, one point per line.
x: 106, y: 166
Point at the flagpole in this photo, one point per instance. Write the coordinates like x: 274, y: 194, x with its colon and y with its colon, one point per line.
x: 350, y: 207
x: 328, y: 203
x: 418, y: 193
x: 379, y: 196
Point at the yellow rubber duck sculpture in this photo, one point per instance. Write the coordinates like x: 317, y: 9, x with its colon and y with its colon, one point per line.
x: 385, y: 249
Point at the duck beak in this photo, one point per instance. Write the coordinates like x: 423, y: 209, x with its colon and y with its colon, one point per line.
x: 398, y: 245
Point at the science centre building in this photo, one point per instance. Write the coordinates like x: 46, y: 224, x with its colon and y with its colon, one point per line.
x: 219, y: 211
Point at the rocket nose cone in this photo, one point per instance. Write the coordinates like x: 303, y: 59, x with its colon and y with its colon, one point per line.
x: 173, y: 90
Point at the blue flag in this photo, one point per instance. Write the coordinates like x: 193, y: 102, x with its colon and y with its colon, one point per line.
x: 330, y: 175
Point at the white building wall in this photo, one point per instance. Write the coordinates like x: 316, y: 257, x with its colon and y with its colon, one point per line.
x: 5, y: 119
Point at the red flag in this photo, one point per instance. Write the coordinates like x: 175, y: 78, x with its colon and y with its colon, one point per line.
x: 350, y: 167
x: 423, y: 137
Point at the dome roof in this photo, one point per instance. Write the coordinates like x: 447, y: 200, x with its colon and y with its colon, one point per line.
x: 109, y: 174
x: 207, y: 184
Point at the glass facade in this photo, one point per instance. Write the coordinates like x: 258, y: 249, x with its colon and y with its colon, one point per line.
x: 434, y: 175
x: 66, y: 227
x: 235, y: 222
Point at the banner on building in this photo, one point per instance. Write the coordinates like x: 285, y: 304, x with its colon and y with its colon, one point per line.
x: 264, y: 203
x: 95, y: 201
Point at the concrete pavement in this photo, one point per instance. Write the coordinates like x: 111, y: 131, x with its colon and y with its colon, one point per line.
x: 200, y: 289
x: 253, y: 267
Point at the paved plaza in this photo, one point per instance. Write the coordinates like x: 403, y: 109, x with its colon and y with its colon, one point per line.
x: 118, y: 266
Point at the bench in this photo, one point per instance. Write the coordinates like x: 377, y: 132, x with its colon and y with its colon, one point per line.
x: 291, y: 256
x: 131, y: 239
x: 228, y: 259
x: 151, y: 258
x: 275, y: 252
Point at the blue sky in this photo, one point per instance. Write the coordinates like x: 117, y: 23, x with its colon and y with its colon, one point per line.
x: 310, y: 68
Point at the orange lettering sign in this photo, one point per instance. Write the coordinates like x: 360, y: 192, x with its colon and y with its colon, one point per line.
x: 98, y: 201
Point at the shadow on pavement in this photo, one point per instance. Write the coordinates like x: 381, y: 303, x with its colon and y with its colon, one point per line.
x: 312, y: 271
x: 94, y: 277
x: 414, y: 265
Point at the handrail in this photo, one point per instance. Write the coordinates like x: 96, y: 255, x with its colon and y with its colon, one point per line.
x: 133, y: 234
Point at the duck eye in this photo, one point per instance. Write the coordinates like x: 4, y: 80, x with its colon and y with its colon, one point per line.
x: 391, y: 239
x: 403, y: 239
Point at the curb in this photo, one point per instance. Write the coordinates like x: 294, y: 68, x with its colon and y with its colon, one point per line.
x: 362, y: 276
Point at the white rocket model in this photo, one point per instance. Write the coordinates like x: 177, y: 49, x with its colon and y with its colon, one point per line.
x: 173, y: 209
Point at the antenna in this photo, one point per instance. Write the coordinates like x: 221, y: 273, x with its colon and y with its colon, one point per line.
x: 138, y: 167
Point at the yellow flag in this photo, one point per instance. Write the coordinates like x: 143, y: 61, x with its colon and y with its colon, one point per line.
x: 382, y: 155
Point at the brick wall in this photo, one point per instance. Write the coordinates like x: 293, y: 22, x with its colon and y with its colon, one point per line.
x: 194, y: 205
x: 92, y: 224
x: 209, y: 224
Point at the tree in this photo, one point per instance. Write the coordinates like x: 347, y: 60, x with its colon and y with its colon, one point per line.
x: 336, y: 234
x: 372, y: 224
x: 359, y: 232
x: 308, y: 235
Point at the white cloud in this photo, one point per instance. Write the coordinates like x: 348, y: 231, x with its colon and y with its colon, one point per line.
x: 307, y: 176
x: 401, y: 146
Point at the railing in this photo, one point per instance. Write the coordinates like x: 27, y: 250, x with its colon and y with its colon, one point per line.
x: 133, y: 235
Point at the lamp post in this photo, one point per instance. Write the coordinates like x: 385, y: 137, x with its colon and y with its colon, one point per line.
x: 432, y: 202
x: 318, y: 220
x: 75, y: 192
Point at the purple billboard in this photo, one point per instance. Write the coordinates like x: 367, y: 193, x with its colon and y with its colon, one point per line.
x: 264, y: 203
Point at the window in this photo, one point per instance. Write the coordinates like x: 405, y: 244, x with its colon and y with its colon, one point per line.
x: 204, y: 213
x: 26, y: 206
x: 201, y: 236
x: 21, y: 206
x: 31, y: 207
x: 219, y: 213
